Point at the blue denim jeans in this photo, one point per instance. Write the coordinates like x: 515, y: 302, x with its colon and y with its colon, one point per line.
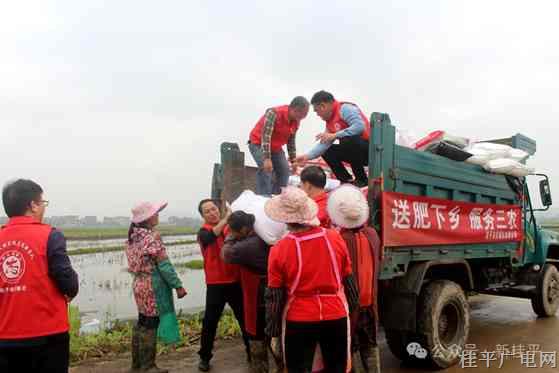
x: 268, y: 183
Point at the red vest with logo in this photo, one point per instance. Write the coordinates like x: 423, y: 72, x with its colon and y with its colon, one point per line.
x: 336, y: 123
x: 216, y: 270
x: 283, y: 129
x: 30, y: 303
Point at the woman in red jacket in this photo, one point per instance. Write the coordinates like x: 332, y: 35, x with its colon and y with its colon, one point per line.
x: 311, y: 289
x: 349, y: 211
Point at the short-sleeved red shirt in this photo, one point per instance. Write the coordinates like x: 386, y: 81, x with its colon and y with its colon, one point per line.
x: 317, y: 275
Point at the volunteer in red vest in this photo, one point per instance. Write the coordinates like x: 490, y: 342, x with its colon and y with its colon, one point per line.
x: 311, y: 289
x: 313, y: 181
x: 243, y: 247
x: 36, y: 283
x: 349, y: 210
x: 346, y: 123
x: 276, y: 128
x: 222, y: 279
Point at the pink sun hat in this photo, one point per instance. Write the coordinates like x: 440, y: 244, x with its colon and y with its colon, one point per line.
x: 292, y: 206
x: 145, y: 210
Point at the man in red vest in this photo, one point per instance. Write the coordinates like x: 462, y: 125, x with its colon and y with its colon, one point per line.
x: 346, y: 123
x: 36, y: 283
x: 313, y: 181
x: 222, y: 279
x: 276, y: 128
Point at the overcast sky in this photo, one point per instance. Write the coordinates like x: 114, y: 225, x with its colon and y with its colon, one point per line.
x: 112, y: 102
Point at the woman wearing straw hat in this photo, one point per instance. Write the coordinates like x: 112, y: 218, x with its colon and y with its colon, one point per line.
x: 311, y: 266
x: 349, y: 210
x: 154, y: 279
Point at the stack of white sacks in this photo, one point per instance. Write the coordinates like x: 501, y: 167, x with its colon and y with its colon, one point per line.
x: 499, y: 159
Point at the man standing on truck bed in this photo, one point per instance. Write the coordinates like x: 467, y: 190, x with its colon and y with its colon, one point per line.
x: 347, y: 123
x: 276, y: 128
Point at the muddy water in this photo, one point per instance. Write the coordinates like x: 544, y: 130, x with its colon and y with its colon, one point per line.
x: 106, y: 288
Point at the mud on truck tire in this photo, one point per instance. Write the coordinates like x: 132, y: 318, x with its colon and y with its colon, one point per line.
x: 443, y: 322
x: 545, y: 302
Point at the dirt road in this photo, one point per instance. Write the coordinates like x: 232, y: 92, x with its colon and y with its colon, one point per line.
x: 504, y: 324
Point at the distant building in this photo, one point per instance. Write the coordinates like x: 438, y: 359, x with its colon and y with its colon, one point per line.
x: 116, y: 221
x: 66, y: 221
x: 89, y: 221
x: 184, y: 222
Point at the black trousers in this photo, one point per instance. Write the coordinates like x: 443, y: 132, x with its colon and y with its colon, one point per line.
x: 353, y: 150
x: 51, y: 355
x: 216, y: 298
x: 301, y: 339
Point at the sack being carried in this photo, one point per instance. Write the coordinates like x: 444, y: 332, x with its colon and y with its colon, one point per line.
x: 267, y: 229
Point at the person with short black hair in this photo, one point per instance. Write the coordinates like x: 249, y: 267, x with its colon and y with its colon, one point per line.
x: 276, y: 128
x: 243, y: 247
x: 222, y: 279
x: 313, y: 181
x: 36, y: 285
x: 347, y: 123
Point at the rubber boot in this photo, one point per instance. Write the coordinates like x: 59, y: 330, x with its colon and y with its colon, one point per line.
x: 357, y: 365
x: 135, y: 350
x: 148, y: 351
x: 247, y: 343
x: 371, y: 359
x: 259, y: 357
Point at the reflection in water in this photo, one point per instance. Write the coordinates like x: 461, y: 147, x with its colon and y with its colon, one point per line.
x: 106, y: 286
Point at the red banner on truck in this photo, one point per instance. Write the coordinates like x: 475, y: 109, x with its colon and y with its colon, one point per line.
x: 412, y: 220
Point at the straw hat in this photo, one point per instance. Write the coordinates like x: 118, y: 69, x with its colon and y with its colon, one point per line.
x: 292, y: 206
x: 347, y: 207
x: 145, y: 210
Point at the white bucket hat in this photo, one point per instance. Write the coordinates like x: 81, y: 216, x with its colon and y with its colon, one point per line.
x: 347, y: 207
x: 145, y: 210
x: 292, y: 206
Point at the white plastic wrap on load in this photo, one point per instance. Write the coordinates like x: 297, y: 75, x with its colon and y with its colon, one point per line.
x: 331, y: 184
x: 438, y: 136
x: 483, y: 152
x: 406, y: 138
x: 507, y: 166
x: 269, y: 230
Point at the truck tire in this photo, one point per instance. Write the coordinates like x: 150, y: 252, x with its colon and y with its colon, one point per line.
x: 546, y: 300
x: 443, y: 322
x: 396, y: 341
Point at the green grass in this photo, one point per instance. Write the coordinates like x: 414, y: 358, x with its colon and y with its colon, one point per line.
x: 193, y: 264
x: 117, y: 339
x: 120, y: 232
x: 108, y: 249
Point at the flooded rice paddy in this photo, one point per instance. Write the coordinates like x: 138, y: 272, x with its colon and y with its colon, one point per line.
x: 106, y: 287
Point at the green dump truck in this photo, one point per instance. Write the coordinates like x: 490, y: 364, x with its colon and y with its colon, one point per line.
x: 448, y: 229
